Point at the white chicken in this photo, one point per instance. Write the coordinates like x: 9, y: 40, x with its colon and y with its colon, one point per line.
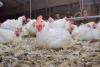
x: 95, y: 29
x: 91, y: 24
x: 60, y: 23
x: 51, y: 37
x: 13, y: 24
x: 50, y: 19
x: 64, y: 24
x: 8, y: 36
x: 29, y: 28
x: 83, y: 32
x: 8, y: 24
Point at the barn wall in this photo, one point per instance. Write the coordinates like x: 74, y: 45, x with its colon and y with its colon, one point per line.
x: 50, y: 3
x: 36, y: 4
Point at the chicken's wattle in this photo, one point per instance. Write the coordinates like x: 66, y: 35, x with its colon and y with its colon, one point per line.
x: 71, y: 28
x: 17, y: 32
x: 39, y: 27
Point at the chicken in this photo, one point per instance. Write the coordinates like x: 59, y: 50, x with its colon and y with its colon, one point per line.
x: 13, y: 24
x: 92, y: 24
x: 29, y: 28
x: 50, y: 19
x: 61, y: 23
x: 95, y: 30
x: 8, y: 24
x: 52, y: 37
x: 8, y: 36
x: 83, y: 33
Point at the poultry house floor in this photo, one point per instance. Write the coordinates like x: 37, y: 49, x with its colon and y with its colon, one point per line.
x: 25, y: 54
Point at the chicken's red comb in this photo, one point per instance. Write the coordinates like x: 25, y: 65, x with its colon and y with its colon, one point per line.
x: 39, y: 18
x: 48, y: 17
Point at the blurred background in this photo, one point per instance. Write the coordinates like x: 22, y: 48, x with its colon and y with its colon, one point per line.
x: 32, y: 8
